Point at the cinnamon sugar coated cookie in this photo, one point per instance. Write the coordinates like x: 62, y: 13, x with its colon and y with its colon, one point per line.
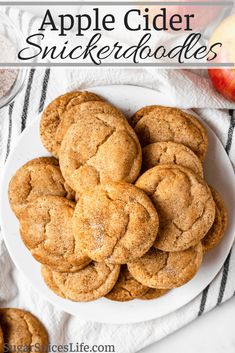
x: 1, y: 341
x: 22, y: 329
x: 53, y: 115
x: 157, y: 124
x: 38, y: 177
x: 97, y: 149
x: 80, y: 111
x: 92, y: 282
x: 184, y: 203
x: 46, y: 229
x: 42, y: 160
x: 126, y: 287
x: 115, y: 222
x: 153, y: 293
x: 217, y: 231
x: 171, y: 153
x: 166, y: 270
x: 124, y: 212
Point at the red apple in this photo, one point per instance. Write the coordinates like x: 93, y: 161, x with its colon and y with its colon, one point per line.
x: 223, y: 79
x: 203, y: 15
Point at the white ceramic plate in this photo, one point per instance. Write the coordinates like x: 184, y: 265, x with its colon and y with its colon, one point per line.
x: 218, y: 172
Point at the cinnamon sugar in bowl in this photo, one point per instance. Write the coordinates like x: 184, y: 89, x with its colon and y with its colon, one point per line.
x: 11, y: 78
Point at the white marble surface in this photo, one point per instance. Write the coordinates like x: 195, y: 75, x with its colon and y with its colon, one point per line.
x: 211, y: 333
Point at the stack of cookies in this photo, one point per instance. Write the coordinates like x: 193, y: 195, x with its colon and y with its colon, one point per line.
x: 121, y: 209
x: 20, y: 331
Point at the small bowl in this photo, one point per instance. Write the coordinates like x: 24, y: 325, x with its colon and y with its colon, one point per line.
x: 14, y: 35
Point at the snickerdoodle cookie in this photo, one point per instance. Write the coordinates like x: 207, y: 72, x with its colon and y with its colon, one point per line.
x: 1, y: 341
x: 22, y: 329
x: 80, y: 111
x: 97, y: 149
x: 53, y: 115
x: 168, y: 153
x: 126, y: 287
x: 153, y: 293
x: 184, y: 203
x: 42, y: 160
x: 40, y: 176
x: 164, y: 270
x: 217, y: 231
x: 92, y: 282
x: 158, y: 124
x: 46, y: 229
x: 115, y: 222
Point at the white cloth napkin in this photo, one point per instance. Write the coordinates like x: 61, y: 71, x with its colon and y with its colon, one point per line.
x: 187, y: 89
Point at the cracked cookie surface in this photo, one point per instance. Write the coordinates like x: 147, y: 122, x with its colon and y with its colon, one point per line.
x: 217, y: 231
x: 115, y: 222
x: 127, y: 287
x: 40, y: 176
x: 54, y: 113
x: 170, y: 153
x: 46, y: 229
x: 184, y: 203
x: 92, y: 282
x: 99, y: 148
x: 153, y: 293
x: 80, y: 111
x: 166, y: 270
x: 158, y: 124
x: 21, y: 328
